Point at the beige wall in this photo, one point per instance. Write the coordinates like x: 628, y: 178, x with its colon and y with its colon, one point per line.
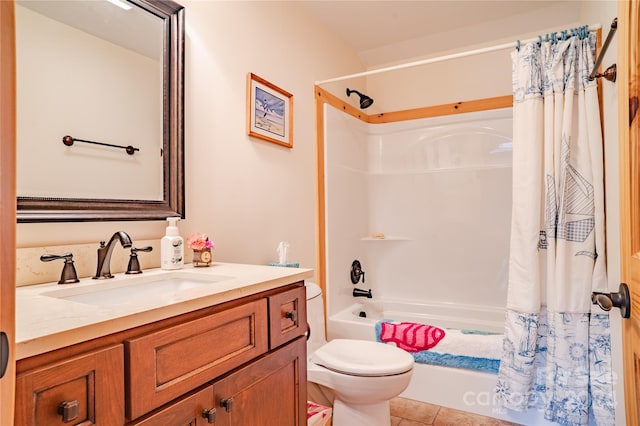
x: 458, y: 80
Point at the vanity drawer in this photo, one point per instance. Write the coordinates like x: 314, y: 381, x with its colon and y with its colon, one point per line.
x: 91, y: 387
x: 166, y: 364
x: 287, y: 316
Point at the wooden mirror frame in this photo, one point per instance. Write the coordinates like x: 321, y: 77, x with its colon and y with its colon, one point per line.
x: 49, y: 209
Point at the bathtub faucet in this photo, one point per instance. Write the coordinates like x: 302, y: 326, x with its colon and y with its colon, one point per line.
x: 362, y: 293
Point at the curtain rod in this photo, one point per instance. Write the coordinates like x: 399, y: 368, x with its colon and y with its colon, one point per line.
x: 440, y: 58
x: 603, y: 50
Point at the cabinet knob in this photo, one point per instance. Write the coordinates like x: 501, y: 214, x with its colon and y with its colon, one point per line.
x: 68, y: 410
x: 290, y: 315
x: 209, y: 414
x: 227, y: 404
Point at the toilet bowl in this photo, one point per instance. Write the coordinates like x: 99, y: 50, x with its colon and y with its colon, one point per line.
x: 363, y: 375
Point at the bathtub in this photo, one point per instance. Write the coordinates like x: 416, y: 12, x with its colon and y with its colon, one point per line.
x: 466, y: 390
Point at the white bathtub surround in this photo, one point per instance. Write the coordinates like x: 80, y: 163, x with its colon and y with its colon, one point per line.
x: 439, y: 189
x: 557, y: 356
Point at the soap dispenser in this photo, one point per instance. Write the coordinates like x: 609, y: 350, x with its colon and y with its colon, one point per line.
x: 172, y: 247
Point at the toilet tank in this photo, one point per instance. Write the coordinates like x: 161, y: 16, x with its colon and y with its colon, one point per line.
x: 315, y: 317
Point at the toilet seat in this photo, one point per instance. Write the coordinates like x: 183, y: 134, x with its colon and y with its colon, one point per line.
x: 363, y: 358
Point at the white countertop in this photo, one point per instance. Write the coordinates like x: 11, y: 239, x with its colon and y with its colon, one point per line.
x: 45, y: 320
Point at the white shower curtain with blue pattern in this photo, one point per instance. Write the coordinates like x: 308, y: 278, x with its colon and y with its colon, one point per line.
x: 556, y: 351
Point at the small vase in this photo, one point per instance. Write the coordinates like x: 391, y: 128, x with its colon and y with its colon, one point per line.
x: 202, y: 258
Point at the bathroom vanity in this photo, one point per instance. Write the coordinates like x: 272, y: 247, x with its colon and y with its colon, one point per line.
x: 230, y: 351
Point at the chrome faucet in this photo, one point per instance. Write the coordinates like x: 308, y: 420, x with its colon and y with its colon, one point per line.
x: 104, y: 254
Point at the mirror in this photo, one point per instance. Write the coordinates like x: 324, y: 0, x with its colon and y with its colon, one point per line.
x: 110, y: 76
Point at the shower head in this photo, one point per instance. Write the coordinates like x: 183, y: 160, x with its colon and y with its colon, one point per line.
x: 365, y: 101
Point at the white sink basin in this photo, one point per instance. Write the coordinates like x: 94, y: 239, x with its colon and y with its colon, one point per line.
x: 168, y: 287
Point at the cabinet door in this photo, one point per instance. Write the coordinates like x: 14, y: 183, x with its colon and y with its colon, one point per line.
x: 169, y: 363
x: 271, y: 391
x: 189, y: 411
x: 287, y: 316
x: 84, y: 390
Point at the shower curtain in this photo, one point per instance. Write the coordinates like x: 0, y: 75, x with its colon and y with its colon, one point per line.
x: 556, y: 350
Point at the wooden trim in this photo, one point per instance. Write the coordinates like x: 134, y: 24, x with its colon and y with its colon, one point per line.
x: 321, y: 97
x: 7, y: 204
x: 623, y: 136
x: 627, y: 80
x: 446, y: 109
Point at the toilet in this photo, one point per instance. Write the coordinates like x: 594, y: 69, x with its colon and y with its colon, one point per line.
x: 361, y: 375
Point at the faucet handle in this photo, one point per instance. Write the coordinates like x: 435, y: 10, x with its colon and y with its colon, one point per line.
x: 356, y: 272
x: 69, y: 275
x: 134, y: 263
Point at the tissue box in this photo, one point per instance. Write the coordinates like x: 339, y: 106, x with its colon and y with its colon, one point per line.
x: 285, y: 265
x: 318, y: 415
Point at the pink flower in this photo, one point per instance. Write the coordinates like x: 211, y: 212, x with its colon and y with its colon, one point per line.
x: 200, y: 242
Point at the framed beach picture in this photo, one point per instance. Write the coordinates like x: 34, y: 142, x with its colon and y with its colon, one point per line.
x: 270, y: 111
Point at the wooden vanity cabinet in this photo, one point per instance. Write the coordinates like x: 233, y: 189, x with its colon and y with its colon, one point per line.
x: 266, y: 391
x: 269, y: 391
x: 192, y: 410
x: 240, y: 363
x: 83, y: 390
x: 167, y: 363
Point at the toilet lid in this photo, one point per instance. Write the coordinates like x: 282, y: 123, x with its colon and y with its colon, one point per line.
x: 363, y: 358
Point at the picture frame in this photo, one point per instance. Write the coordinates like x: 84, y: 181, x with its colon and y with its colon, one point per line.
x: 269, y: 111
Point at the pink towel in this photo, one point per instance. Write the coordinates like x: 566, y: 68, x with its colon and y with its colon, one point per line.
x: 410, y: 336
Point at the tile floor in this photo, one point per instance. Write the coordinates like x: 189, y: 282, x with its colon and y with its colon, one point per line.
x: 406, y: 412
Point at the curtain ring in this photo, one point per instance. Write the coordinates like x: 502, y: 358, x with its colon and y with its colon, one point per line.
x: 518, y: 45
